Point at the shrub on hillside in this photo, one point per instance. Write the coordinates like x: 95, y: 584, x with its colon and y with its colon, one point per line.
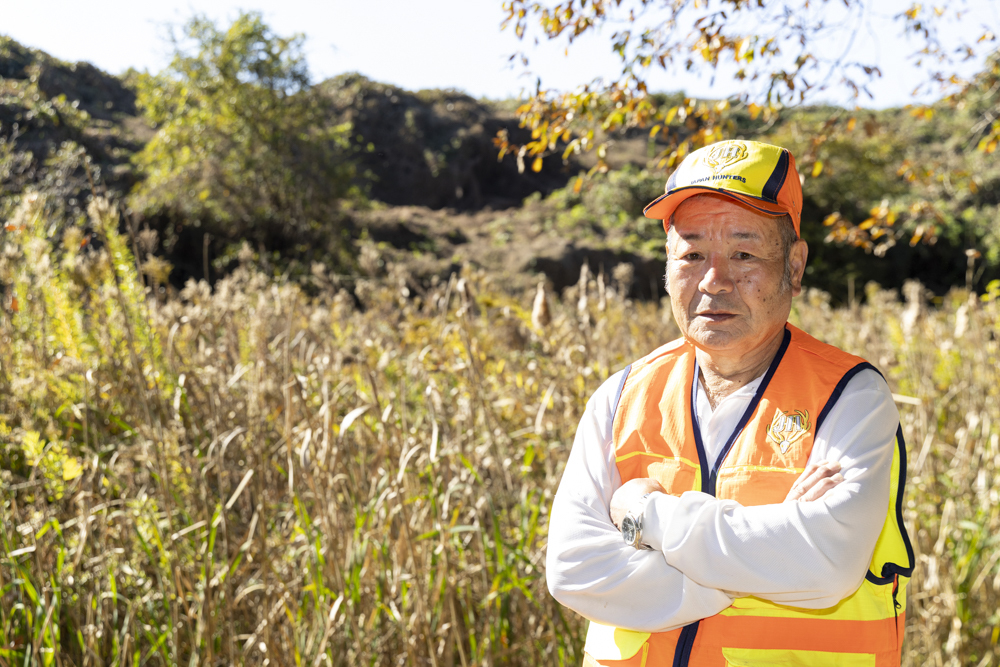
x: 244, y: 146
x: 610, y: 203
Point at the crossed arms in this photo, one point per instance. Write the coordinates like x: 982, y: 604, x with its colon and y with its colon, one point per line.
x: 707, y: 551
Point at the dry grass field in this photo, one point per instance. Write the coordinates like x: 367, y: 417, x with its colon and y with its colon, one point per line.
x: 253, y: 475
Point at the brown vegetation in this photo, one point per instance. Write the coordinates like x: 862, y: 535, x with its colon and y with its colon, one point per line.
x: 250, y: 474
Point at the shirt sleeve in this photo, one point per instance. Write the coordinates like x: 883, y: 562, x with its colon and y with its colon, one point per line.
x: 806, y: 554
x: 588, y: 566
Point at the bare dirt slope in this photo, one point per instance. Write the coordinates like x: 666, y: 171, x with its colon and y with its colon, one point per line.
x: 519, y: 244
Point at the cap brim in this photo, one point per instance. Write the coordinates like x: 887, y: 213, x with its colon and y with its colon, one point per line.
x: 663, y: 206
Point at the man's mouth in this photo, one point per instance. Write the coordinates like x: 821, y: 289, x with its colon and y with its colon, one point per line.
x: 715, y: 316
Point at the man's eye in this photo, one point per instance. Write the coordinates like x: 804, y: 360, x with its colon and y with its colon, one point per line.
x: 691, y: 256
x: 743, y: 255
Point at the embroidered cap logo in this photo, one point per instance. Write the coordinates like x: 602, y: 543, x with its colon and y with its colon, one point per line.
x: 726, y: 154
x: 787, y: 428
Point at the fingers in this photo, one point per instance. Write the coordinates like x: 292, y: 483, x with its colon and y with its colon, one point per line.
x: 628, y: 494
x: 820, y: 472
x: 650, y: 485
x: 815, y: 480
x: 821, y: 487
x: 816, y: 472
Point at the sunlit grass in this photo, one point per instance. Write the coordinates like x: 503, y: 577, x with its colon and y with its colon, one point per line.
x: 247, y: 474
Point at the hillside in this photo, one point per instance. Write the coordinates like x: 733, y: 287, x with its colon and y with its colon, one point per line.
x: 435, y: 197
x: 50, y: 113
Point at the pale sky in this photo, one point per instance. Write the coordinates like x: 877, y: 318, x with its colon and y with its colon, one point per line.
x: 429, y: 44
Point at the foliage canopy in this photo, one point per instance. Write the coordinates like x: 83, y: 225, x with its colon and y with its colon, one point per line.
x: 782, y: 53
x: 244, y: 144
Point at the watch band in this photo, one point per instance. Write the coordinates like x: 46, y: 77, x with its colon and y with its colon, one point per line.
x: 632, y: 524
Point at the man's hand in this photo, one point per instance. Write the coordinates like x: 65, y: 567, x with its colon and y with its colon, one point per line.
x: 815, y: 480
x: 812, y: 484
x: 628, y: 494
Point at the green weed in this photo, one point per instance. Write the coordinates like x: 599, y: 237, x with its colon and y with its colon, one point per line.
x: 250, y: 475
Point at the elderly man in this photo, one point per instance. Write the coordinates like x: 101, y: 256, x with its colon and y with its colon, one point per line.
x: 756, y: 474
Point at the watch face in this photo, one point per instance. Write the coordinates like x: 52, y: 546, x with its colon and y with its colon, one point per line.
x: 628, y: 530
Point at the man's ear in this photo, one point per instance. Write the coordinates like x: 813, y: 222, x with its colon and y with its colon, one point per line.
x: 797, y: 256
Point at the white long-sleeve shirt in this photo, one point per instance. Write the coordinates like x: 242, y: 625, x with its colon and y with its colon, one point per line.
x: 708, y: 551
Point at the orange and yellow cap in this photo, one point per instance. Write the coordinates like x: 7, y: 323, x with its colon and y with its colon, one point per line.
x: 758, y: 175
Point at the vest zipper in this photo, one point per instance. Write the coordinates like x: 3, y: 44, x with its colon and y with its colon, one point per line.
x: 682, y: 653
x: 895, y: 604
x: 685, y: 642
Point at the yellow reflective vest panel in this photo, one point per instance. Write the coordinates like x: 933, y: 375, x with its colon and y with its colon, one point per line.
x: 654, y: 436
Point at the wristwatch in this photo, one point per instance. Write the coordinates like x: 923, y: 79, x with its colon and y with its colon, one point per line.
x: 632, y: 525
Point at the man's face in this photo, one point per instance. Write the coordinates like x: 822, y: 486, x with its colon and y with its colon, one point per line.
x: 725, y: 275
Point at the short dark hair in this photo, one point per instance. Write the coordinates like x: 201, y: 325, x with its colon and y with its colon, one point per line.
x: 788, y: 238
x: 788, y: 233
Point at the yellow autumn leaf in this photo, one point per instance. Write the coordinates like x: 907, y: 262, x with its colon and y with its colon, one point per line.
x: 71, y: 468
x: 817, y: 168
x: 741, y: 48
x: 851, y: 123
x: 32, y: 446
x: 536, y: 165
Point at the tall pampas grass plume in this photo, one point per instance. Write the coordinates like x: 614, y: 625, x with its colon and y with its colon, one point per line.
x: 540, y: 316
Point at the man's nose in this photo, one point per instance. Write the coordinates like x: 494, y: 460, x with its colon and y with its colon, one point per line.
x: 716, y: 279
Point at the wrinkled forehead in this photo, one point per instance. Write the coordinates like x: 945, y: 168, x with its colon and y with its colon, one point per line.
x: 712, y: 218
x: 710, y: 235
x: 703, y: 235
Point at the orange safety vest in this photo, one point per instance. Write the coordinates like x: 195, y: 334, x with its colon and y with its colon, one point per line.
x: 655, y: 436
